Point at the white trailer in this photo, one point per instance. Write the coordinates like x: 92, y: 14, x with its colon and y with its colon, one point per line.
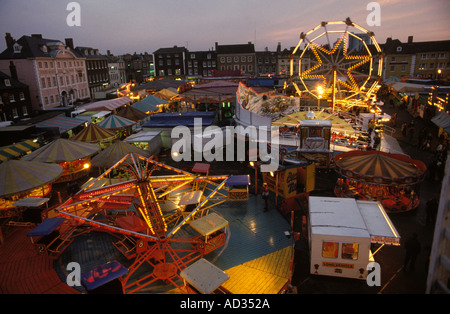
x: 341, y: 231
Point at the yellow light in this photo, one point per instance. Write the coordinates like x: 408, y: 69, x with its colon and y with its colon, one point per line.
x: 272, y: 174
x: 86, y: 166
x: 175, y: 154
x: 252, y: 164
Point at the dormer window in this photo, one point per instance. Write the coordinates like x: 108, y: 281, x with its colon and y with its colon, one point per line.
x: 7, y: 82
x: 399, y: 48
x: 16, y: 48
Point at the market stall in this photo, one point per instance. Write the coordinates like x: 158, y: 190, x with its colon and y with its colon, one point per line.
x: 119, y: 124
x: 341, y: 232
x: 73, y: 156
x: 392, y: 179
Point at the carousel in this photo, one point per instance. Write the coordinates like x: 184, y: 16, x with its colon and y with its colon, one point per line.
x: 391, y: 179
x: 73, y: 156
x: 119, y: 124
x: 95, y: 134
x: 25, y: 181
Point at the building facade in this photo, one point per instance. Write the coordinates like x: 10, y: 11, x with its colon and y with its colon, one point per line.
x: 171, y: 62
x: 236, y: 57
x: 116, y: 70
x: 201, y: 63
x: 54, y: 73
x: 15, y: 102
x: 266, y: 63
x: 96, y: 67
x: 428, y: 60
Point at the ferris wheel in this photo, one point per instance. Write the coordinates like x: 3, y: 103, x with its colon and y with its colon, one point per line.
x: 340, y: 61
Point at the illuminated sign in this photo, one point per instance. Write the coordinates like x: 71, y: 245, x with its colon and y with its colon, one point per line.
x: 340, y: 265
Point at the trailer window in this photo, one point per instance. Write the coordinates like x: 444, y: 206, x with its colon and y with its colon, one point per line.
x: 350, y: 251
x: 330, y: 249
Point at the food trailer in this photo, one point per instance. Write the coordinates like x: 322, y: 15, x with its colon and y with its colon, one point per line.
x: 341, y: 232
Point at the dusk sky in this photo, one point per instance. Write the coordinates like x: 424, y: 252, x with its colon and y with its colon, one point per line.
x: 146, y: 25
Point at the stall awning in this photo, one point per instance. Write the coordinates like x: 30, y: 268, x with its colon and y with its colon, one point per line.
x: 64, y: 124
x: 46, y: 227
x: 379, y: 226
x: 108, y: 105
x: 17, y: 150
x: 442, y: 120
x: 238, y: 180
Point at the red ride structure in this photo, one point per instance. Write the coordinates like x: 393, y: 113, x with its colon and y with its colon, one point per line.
x: 163, y: 222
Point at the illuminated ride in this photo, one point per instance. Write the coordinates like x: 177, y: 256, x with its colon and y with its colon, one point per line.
x: 162, y: 216
x: 328, y: 68
x: 391, y: 179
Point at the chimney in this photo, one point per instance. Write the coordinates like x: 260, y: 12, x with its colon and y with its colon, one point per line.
x: 12, y: 70
x: 69, y: 43
x: 9, y: 40
x: 410, y: 39
x: 37, y: 36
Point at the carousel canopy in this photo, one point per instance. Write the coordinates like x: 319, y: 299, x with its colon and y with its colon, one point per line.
x: 116, y: 122
x: 94, y: 133
x: 131, y: 113
x: 379, y: 167
x: 62, y: 150
x: 111, y: 155
x: 17, y: 176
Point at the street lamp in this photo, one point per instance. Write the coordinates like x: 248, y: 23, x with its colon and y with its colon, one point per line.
x: 320, y: 93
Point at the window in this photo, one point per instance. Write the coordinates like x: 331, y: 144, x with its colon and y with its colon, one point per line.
x: 392, y: 68
x: 399, y: 48
x: 7, y: 82
x: 243, y: 58
x: 14, y: 112
x: 424, y: 56
x: 249, y: 59
x: 228, y: 59
x: 25, y: 110
x: 43, y: 82
x: 12, y: 98
x: 16, y: 48
x: 330, y: 249
x: 236, y: 59
x: 192, y: 55
x: 222, y: 59
x: 21, y: 96
x: 350, y: 251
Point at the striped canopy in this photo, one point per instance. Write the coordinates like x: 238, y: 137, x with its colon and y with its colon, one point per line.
x: 94, y: 133
x: 116, y: 122
x: 379, y: 167
x: 111, y: 155
x: 18, y: 176
x: 62, y: 150
x: 17, y: 150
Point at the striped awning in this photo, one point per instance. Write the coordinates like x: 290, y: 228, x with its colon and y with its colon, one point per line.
x: 116, y: 122
x: 18, y: 176
x: 64, y: 124
x: 17, y: 150
x: 62, y: 150
x: 94, y: 133
x: 109, y: 104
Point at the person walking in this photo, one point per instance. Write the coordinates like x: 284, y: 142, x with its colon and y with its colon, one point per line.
x: 412, y: 250
x: 265, y: 195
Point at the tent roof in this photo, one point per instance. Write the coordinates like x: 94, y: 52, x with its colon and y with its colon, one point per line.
x: 379, y: 167
x: 17, y: 176
x: 149, y: 103
x: 116, y: 122
x: 442, y: 120
x: 108, y: 104
x: 112, y: 154
x: 166, y: 93
x: 62, y: 150
x: 173, y: 119
x: 63, y: 123
x: 94, y: 133
x: 131, y: 113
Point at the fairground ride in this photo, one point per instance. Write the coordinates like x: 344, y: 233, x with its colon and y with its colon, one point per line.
x: 339, y: 61
x: 161, y: 216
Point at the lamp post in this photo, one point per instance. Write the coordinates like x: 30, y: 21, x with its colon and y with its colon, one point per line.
x: 255, y: 165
